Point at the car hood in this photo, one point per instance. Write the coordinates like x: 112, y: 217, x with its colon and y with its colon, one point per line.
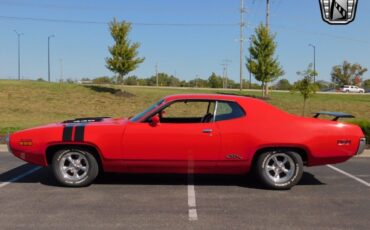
x: 90, y: 121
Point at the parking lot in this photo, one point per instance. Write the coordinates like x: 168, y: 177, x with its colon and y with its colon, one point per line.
x: 326, y: 198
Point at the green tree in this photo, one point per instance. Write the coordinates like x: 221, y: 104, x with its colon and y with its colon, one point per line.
x: 306, y: 86
x: 215, y: 81
x: 346, y: 73
x: 283, y: 84
x: 163, y: 80
x: 366, y: 84
x: 184, y: 83
x: 262, y: 63
x: 324, y: 85
x: 123, y: 53
x: 131, y: 80
x: 198, y: 83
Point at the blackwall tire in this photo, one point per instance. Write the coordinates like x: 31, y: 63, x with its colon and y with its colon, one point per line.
x: 74, y: 167
x: 279, y: 169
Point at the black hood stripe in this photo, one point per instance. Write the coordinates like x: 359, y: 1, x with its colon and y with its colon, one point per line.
x: 79, y: 132
x: 67, y: 133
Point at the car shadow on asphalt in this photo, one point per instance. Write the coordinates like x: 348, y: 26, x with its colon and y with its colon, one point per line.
x: 44, y: 176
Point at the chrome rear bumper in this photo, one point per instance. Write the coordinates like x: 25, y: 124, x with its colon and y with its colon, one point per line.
x: 7, y: 140
x: 361, y: 146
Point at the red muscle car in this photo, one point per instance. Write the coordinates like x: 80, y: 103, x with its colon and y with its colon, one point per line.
x: 204, y: 133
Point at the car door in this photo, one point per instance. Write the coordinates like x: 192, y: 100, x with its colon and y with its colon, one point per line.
x: 235, y: 140
x: 179, y: 139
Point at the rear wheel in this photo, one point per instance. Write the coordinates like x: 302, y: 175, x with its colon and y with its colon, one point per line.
x: 74, y: 167
x: 279, y: 169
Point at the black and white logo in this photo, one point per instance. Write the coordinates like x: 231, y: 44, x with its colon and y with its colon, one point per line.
x: 338, y: 12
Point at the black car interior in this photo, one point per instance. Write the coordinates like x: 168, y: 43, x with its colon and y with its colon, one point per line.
x: 226, y: 110
x: 207, y: 117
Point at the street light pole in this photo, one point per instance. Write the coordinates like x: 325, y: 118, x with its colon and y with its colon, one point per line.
x: 156, y: 74
x: 19, y: 53
x: 314, y: 62
x: 50, y: 36
x: 242, y: 25
x: 250, y: 58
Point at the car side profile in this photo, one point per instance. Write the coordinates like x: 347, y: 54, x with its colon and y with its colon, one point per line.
x: 351, y: 89
x: 191, y: 133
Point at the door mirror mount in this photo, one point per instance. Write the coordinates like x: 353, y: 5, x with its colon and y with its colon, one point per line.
x: 154, y: 121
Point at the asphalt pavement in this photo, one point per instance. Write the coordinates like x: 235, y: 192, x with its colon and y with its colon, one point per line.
x: 328, y: 197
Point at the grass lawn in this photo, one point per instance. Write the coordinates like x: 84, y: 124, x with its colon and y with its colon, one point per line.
x: 25, y: 104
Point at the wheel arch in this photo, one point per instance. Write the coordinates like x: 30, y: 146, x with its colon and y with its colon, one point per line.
x: 301, y: 151
x: 52, y: 149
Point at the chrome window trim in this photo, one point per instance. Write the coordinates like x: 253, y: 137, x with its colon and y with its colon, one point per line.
x: 215, y: 112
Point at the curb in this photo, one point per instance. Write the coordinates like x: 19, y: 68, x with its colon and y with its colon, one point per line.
x: 365, y: 154
x: 3, y: 148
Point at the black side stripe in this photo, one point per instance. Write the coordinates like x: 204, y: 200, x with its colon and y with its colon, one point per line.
x: 67, y: 133
x: 79, y: 132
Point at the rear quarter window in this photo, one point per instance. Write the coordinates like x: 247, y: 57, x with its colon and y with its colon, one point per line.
x: 228, y: 110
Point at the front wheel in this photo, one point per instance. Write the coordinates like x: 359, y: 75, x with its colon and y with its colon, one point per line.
x: 74, y: 167
x: 279, y: 169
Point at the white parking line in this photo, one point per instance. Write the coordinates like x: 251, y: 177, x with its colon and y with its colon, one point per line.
x: 349, y: 175
x: 20, y: 176
x: 193, y: 216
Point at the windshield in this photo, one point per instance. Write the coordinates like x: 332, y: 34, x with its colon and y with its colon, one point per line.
x: 140, y: 115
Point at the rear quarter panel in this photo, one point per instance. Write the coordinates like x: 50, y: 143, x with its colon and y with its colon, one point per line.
x: 268, y: 127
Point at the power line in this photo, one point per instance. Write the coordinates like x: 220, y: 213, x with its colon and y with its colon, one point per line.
x: 90, y: 7
x: 105, y: 23
x: 320, y: 34
x: 50, y: 20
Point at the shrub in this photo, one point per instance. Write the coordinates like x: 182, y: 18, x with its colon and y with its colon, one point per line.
x: 102, y: 80
x: 7, y: 130
x: 365, y: 126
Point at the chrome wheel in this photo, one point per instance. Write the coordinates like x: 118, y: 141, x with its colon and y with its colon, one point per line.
x: 74, y: 166
x: 279, y: 168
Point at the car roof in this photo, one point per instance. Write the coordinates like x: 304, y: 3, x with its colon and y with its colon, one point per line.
x: 226, y: 97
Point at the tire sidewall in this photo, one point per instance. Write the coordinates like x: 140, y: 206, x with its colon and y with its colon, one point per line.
x: 297, y: 174
x: 91, y: 174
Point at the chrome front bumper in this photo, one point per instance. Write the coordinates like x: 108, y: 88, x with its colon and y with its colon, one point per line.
x: 7, y: 140
x: 361, y: 146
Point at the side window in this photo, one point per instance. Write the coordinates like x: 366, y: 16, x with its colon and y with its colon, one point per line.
x: 228, y: 110
x: 188, y: 112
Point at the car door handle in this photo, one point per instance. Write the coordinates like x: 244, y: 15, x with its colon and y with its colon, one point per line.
x: 207, y: 131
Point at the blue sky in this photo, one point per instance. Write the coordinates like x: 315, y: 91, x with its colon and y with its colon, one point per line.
x: 186, y: 51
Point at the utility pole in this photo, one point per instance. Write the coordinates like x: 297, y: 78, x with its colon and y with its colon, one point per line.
x: 225, y: 64
x: 314, y: 62
x: 268, y: 14
x: 265, y: 85
x: 223, y: 75
x: 250, y: 58
x: 50, y: 36
x: 156, y: 74
x: 61, y: 70
x: 19, y: 53
x: 242, y: 24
